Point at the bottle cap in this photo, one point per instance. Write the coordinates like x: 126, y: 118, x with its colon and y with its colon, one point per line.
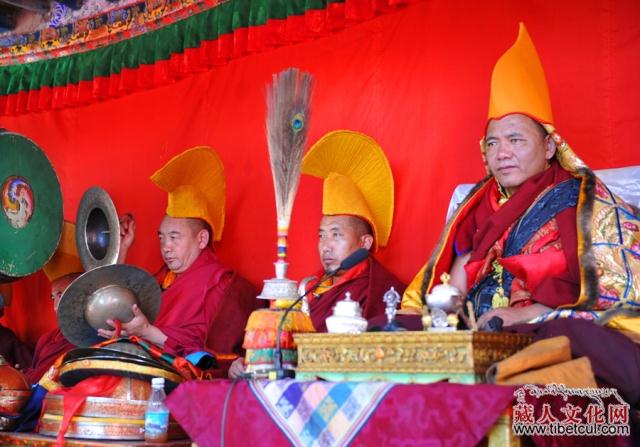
x: 157, y: 381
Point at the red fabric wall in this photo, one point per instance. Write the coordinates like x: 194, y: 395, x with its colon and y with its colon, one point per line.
x: 416, y: 80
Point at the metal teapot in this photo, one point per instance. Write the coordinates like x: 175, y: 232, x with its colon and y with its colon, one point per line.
x: 445, y: 296
x: 443, y: 304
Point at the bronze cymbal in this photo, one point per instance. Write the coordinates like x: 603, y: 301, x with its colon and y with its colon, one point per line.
x: 106, y: 292
x: 97, y: 229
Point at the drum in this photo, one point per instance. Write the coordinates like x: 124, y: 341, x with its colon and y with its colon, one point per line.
x: 117, y: 417
x: 31, y: 212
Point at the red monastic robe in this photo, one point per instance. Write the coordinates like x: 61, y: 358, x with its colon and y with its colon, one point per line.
x: 367, y: 288
x: 547, y: 269
x: 50, y: 346
x: 194, y: 300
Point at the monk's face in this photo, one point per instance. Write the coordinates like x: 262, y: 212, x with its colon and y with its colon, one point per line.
x: 516, y: 150
x: 181, y: 241
x: 58, y: 286
x: 338, y: 237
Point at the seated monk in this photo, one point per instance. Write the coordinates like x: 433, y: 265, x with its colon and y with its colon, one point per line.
x: 197, y: 287
x: 541, y: 237
x: 62, y: 269
x: 357, y: 208
x: 357, y: 213
x: 52, y: 344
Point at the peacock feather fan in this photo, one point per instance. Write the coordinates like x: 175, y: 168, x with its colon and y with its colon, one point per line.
x: 288, y: 111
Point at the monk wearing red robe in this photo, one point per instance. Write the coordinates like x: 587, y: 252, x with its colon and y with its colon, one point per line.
x: 339, y: 237
x: 62, y: 269
x: 358, y: 213
x: 197, y: 289
x: 357, y: 204
x: 540, y: 237
x: 52, y: 344
x: 542, y: 240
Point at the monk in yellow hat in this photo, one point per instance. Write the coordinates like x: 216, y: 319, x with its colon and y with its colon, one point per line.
x: 357, y: 208
x: 541, y: 238
x: 203, y: 301
x: 62, y: 269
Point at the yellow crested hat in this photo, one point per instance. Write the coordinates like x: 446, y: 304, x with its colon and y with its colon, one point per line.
x: 65, y: 260
x: 195, y: 183
x: 518, y: 84
x: 357, y: 179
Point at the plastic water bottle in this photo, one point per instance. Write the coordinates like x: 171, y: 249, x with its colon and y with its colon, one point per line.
x: 156, y: 419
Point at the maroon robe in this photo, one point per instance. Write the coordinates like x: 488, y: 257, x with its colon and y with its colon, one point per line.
x: 50, y: 346
x: 484, y: 225
x: 192, y: 303
x: 367, y: 289
x: 13, y: 350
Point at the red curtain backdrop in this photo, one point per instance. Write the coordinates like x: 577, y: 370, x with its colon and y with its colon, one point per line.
x: 416, y: 80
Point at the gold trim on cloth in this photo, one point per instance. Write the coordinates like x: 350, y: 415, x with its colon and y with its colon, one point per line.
x: 57, y: 417
x: 406, y: 352
x: 86, y: 364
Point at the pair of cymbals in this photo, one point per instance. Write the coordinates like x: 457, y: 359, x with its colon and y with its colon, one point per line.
x: 106, y: 291
x: 31, y: 219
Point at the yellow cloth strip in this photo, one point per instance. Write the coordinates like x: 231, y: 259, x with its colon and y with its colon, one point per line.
x: 540, y: 354
x: 56, y: 417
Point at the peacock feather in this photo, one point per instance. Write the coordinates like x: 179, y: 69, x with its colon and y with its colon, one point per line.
x: 288, y: 111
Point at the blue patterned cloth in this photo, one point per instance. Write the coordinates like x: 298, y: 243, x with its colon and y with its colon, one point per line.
x: 320, y: 414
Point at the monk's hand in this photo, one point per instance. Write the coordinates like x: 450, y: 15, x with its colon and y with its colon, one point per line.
x: 237, y: 368
x: 139, y: 325
x: 127, y: 236
x: 108, y: 333
x: 513, y: 315
x: 112, y: 333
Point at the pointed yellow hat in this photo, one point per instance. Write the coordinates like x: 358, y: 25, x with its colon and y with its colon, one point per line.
x: 357, y: 179
x: 65, y: 260
x: 518, y: 84
x: 195, y: 182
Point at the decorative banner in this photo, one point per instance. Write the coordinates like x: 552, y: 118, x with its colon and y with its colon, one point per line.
x: 156, y: 42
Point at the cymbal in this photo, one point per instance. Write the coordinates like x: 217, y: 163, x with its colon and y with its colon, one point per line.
x: 106, y: 292
x: 97, y: 229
